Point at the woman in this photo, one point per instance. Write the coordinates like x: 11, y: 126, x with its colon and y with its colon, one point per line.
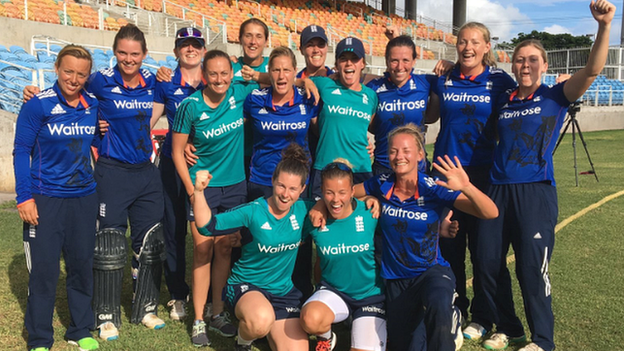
x: 348, y: 108
x: 523, y: 184
x: 403, y: 98
x: 351, y: 286
x: 56, y: 199
x: 467, y: 96
x: 215, y: 116
x: 278, y: 115
x: 186, y: 79
x: 253, y: 37
x: 260, y: 289
x: 419, y: 283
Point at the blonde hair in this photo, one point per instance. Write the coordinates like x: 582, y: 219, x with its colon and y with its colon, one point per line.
x: 282, y: 51
x: 412, y: 130
x: 530, y: 42
x: 488, y: 58
x: 75, y: 51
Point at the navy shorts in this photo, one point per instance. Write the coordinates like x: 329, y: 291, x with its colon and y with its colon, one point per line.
x: 221, y: 199
x: 285, y: 307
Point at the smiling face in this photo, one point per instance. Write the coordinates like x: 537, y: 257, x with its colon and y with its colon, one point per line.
x: 349, y: 68
x: 72, y: 75
x: 404, y: 154
x: 129, y: 55
x: 282, y: 74
x: 218, y: 74
x: 315, y: 53
x: 190, y: 53
x: 338, y: 195
x: 528, y: 65
x: 286, y: 191
x: 471, y: 48
x: 399, y: 64
x: 253, y: 40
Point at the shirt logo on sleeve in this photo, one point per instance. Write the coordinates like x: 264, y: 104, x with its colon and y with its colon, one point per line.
x: 116, y: 90
x: 266, y: 226
x: 178, y: 92
x: 57, y: 110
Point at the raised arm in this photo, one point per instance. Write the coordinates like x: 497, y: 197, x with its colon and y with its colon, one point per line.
x: 603, y: 12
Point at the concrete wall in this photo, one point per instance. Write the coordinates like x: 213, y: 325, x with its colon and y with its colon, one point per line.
x: 590, y: 119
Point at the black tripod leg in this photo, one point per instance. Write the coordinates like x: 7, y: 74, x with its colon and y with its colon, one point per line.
x: 562, y: 134
x: 585, y: 147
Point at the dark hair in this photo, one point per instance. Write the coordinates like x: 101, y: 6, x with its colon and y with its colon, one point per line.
x: 130, y: 32
x: 214, y: 54
x: 75, y: 51
x: 295, y: 160
x: 255, y: 21
x: 401, y: 40
x: 340, y: 168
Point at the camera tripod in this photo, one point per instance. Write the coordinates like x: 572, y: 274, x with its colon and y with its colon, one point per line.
x: 571, y: 120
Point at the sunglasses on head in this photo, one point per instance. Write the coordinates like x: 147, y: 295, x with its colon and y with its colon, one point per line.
x: 337, y: 165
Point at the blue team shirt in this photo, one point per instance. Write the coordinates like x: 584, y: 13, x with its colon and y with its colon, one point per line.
x: 274, y: 128
x: 328, y: 72
x: 528, y: 131
x: 410, y: 227
x: 128, y: 111
x: 466, y: 104
x: 171, y: 95
x: 52, y: 150
x: 397, y: 107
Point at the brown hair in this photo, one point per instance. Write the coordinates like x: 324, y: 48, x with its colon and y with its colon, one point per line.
x: 75, y: 51
x: 282, y: 51
x: 214, y: 54
x: 296, y: 161
x: 130, y: 32
x: 530, y: 42
x: 255, y: 21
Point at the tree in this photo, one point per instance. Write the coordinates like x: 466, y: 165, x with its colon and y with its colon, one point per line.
x: 554, y: 41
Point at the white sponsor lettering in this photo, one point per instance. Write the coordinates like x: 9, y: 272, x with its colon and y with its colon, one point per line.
x: 133, y: 104
x: 373, y: 309
x: 401, y: 213
x: 398, y: 105
x: 279, y: 248
x: 223, y: 128
x: 349, y: 111
x: 105, y: 316
x: 465, y: 97
x: 526, y: 112
x: 344, y: 249
x: 283, y: 125
x: 73, y: 129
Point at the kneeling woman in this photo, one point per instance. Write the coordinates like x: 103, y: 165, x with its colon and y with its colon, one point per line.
x: 260, y: 289
x: 419, y: 282
x: 350, y: 285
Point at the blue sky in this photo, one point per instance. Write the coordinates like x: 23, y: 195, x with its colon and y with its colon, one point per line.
x: 508, y: 18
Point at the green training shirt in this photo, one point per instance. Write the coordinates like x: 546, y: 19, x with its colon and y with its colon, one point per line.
x: 343, y: 124
x: 218, y: 134
x: 268, y: 260
x: 347, y: 253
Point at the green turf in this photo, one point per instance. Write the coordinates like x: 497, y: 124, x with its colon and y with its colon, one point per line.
x: 587, y: 269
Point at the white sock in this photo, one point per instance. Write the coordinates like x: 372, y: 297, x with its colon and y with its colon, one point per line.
x: 242, y: 341
x: 327, y: 335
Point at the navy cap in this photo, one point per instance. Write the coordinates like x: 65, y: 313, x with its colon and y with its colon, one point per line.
x: 310, y: 32
x: 350, y: 44
x: 188, y: 33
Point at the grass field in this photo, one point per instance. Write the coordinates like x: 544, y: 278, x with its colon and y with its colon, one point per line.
x: 587, y: 268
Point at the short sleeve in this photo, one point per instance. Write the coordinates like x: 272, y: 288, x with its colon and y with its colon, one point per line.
x: 183, y: 121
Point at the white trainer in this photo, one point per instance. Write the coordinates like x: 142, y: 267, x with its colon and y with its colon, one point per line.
x: 152, y: 321
x: 178, y: 309
x: 531, y: 347
x: 456, y: 329
x: 108, y: 331
x: 474, y: 331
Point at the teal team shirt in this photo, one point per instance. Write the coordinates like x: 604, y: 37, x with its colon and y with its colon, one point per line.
x: 343, y: 124
x: 268, y: 257
x: 217, y: 134
x: 347, y: 253
x: 238, y: 66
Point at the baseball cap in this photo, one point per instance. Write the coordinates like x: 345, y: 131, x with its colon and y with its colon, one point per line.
x: 310, y: 32
x: 350, y: 44
x: 188, y: 33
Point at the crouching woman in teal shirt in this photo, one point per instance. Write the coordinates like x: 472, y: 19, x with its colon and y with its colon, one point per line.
x: 260, y: 288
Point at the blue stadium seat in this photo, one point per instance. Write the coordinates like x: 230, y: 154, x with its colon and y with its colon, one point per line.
x: 16, y: 48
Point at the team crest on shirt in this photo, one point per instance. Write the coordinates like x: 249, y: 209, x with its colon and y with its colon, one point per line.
x: 365, y: 99
x: 412, y: 84
x: 359, y: 224
x: 293, y: 222
x: 421, y: 201
x: 232, y: 102
x: 489, y: 85
x: 149, y: 92
x: 302, y: 108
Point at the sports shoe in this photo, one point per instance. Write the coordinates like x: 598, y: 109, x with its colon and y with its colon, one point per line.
x: 199, y: 337
x: 500, y: 341
x: 323, y: 344
x: 40, y: 349
x: 238, y: 347
x: 178, y: 309
x: 221, y: 324
x: 474, y: 331
x: 151, y: 321
x: 531, y: 347
x: 456, y: 328
x: 85, y: 344
x: 108, y: 331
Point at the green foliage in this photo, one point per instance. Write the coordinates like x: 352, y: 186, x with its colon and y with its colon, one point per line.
x: 554, y: 41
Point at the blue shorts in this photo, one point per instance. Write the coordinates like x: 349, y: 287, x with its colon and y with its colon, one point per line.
x: 221, y: 199
x: 285, y: 307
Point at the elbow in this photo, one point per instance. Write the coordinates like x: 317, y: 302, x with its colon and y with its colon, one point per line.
x: 491, y: 213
